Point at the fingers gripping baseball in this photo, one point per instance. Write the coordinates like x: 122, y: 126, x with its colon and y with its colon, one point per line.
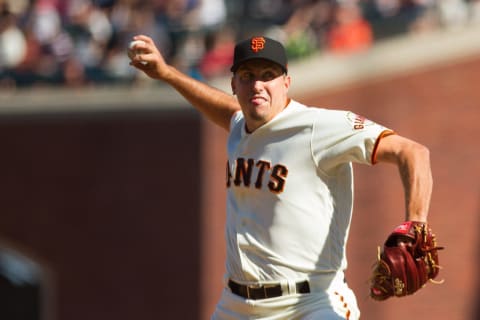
x: 409, y: 259
x: 145, y: 56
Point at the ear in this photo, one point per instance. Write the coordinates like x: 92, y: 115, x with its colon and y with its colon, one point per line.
x: 232, y: 84
x: 287, y: 81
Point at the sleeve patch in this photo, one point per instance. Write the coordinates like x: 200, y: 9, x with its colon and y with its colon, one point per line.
x: 358, y: 122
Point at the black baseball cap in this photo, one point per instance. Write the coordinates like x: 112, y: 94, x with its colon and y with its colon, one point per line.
x: 259, y: 48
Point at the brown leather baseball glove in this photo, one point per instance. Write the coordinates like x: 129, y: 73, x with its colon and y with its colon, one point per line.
x: 409, y: 259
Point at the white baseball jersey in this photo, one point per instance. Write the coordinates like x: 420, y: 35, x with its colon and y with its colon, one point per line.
x: 290, y: 192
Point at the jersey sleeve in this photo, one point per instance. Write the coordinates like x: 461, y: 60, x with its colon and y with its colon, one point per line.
x: 340, y: 137
x: 236, y: 118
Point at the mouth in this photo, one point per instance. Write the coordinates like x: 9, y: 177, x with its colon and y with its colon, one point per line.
x: 257, y: 100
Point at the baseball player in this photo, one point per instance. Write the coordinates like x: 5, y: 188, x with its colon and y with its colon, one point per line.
x: 289, y: 185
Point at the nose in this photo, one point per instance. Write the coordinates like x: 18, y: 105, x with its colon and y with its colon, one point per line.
x: 257, y: 85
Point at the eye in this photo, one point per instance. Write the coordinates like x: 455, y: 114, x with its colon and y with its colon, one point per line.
x: 246, y: 76
x: 267, y: 75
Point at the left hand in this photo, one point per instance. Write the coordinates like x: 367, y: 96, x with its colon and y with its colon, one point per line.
x: 409, y: 259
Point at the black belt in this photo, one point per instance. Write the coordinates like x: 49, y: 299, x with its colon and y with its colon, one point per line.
x: 264, y: 291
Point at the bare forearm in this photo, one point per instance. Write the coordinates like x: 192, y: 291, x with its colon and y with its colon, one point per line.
x: 215, y: 104
x: 413, y: 162
x: 417, y: 182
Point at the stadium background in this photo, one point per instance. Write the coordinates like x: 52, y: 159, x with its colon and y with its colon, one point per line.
x: 112, y: 193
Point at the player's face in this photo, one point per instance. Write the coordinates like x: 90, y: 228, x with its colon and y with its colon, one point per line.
x: 261, y: 88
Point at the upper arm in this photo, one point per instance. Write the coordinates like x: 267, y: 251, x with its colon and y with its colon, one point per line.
x: 225, y: 114
x: 396, y: 149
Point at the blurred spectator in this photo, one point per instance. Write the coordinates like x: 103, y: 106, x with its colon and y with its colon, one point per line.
x: 424, y: 18
x: 212, y: 14
x: 297, y: 33
x: 394, y: 17
x: 83, y: 42
x: 453, y: 13
x: 254, y: 16
x: 13, y: 45
x: 300, y: 38
x: 218, y: 56
x: 204, y: 33
x: 350, y: 32
x: 12, y: 40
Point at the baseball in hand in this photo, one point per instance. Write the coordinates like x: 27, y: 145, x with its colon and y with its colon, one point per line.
x: 132, y: 52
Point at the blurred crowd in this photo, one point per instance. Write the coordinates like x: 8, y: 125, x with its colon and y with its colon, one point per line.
x: 78, y: 43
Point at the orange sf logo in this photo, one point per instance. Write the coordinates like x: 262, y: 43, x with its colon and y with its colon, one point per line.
x: 257, y: 44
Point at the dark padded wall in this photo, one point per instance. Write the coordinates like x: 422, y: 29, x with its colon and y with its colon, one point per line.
x: 110, y: 202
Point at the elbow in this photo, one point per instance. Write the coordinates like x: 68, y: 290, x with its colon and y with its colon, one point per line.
x: 414, y: 154
x: 416, y: 158
x: 423, y: 152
